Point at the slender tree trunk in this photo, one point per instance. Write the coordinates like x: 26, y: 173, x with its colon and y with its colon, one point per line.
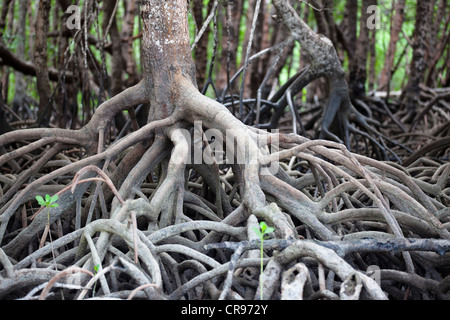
x: 438, y: 44
x: 396, y: 28
x: 230, y: 36
x: 116, y: 40
x: 372, y: 60
x: 3, y: 14
x: 419, y: 60
x: 201, y: 50
x: 127, y: 48
x: 118, y: 62
x: 40, y: 58
x: 349, y: 28
x: 358, y: 69
x: 20, y: 96
x: 257, y: 70
x: 325, y: 20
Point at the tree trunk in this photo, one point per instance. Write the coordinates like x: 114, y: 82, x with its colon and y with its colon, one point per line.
x: 40, y: 58
x: 419, y: 62
x: 3, y: 14
x: 20, y: 96
x: 257, y: 70
x: 166, y: 53
x: 325, y: 20
x: 201, y: 49
x: 372, y: 60
x: 116, y: 40
x: 358, y: 66
x: 228, y: 56
x: 127, y: 49
x: 323, y: 62
x: 396, y: 28
x: 350, y: 25
x: 439, y: 44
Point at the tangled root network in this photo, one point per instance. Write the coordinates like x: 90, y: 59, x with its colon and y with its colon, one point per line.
x: 147, y: 220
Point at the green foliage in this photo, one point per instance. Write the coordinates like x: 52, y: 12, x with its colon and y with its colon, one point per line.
x: 49, y: 202
x: 263, y: 231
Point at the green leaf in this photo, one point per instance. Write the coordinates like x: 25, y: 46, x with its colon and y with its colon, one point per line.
x: 54, y: 205
x: 269, y: 230
x: 263, y: 226
x: 54, y: 198
x: 257, y: 231
x: 40, y: 200
x: 47, y: 198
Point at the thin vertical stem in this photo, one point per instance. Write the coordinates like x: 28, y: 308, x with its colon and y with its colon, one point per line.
x: 247, y: 57
x: 261, y: 267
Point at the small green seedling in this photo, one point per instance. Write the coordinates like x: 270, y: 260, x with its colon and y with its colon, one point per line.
x: 49, y: 202
x: 96, y: 269
x: 263, y: 233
